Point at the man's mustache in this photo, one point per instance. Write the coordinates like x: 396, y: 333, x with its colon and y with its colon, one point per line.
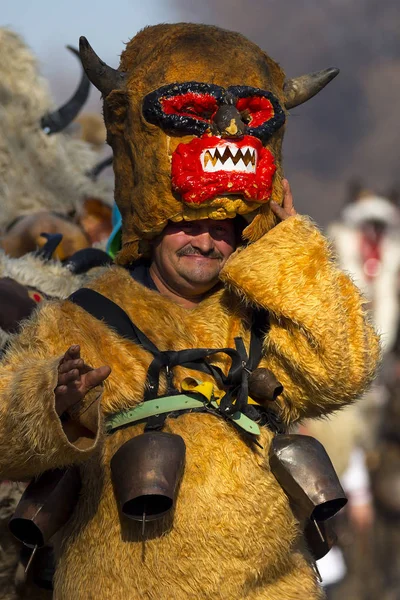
x: 189, y: 250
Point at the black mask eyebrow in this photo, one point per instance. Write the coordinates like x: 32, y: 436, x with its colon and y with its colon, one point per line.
x: 267, y: 129
x: 153, y: 111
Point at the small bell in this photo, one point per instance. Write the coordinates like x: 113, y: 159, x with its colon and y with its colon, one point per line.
x: 264, y: 386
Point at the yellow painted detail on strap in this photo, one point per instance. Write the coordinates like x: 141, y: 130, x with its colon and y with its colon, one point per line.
x: 214, y: 396
x: 206, y: 389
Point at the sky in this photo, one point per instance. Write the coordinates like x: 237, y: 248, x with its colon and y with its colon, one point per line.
x: 349, y: 131
x: 47, y: 26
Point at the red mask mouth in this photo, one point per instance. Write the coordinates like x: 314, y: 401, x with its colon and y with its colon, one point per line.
x: 211, y: 166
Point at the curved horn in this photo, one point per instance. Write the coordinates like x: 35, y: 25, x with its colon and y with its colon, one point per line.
x: 53, y: 241
x: 104, y: 78
x: 59, y: 119
x: 95, y: 171
x: 299, y: 90
x: 86, y: 259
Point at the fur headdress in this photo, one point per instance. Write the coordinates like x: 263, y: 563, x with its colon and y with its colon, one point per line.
x: 195, y: 116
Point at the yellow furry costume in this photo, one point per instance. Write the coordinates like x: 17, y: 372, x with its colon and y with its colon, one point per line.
x: 233, y: 534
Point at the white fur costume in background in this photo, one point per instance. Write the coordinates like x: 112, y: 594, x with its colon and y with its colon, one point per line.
x: 382, y: 290
x: 49, y: 277
x: 37, y: 171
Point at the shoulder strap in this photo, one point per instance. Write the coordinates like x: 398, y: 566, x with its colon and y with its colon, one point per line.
x: 114, y: 316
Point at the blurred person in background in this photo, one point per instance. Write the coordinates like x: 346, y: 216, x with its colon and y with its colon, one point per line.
x: 384, y: 463
x: 367, y: 242
x: 60, y: 191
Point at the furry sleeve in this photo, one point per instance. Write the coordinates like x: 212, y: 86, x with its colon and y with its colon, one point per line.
x: 320, y: 344
x: 32, y: 436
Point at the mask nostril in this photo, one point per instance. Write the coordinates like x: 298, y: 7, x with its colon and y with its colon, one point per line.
x: 228, y: 122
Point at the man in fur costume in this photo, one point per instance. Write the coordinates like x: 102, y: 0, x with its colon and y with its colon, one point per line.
x: 195, y: 117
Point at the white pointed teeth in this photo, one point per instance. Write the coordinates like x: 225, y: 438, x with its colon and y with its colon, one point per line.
x: 229, y: 157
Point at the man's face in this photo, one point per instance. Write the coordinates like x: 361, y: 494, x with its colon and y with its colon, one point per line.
x: 188, y: 256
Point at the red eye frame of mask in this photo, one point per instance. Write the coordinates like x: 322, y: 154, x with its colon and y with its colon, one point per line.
x: 255, y: 110
x: 203, y: 107
x: 192, y: 104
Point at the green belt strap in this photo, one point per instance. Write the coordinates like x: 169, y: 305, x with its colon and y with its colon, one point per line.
x: 167, y: 404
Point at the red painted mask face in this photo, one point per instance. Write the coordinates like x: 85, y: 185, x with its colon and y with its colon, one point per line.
x: 232, y: 127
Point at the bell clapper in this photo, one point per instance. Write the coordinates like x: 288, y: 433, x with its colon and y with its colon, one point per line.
x: 143, y: 523
x: 319, y: 531
x: 143, y: 539
x: 31, y: 559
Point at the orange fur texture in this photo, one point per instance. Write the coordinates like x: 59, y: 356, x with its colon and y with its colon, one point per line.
x: 233, y: 533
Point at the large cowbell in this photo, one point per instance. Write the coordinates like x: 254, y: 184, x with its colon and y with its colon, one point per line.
x: 304, y: 470
x: 45, y: 506
x: 146, y: 472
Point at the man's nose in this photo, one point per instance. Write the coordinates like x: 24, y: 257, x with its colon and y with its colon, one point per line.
x: 203, y: 241
x: 227, y: 121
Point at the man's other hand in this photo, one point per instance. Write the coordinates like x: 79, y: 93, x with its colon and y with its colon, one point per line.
x: 76, y: 379
x: 287, y: 209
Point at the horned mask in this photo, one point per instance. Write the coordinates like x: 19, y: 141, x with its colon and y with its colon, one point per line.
x: 195, y: 115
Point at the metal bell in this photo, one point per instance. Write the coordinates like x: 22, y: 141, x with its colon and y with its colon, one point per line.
x: 264, y: 386
x: 146, y: 472
x: 45, y: 506
x: 305, y: 472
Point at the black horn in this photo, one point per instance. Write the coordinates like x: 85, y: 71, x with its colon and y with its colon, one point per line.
x: 87, y: 258
x: 299, y: 90
x: 104, y: 78
x: 53, y: 241
x: 59, y: 119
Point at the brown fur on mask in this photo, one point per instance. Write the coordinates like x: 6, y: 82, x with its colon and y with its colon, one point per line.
x: 158, y: 56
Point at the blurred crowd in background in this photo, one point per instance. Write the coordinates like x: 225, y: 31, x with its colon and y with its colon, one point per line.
x: 342, y: 161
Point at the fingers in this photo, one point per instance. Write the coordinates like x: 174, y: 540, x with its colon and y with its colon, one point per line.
x: 287, y: 209
x: 95, y: 377
x: 75, y: 377
x: 73, y: 353
x: 68, y: 365
x: 65, y: 378
x: 287, y: 196
x: 74, y: 384
x: 83, y: 374
x: 279, y: 211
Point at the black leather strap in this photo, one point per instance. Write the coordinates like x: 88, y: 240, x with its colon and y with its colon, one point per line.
x: 235, y: 382
x: 104, y: 309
